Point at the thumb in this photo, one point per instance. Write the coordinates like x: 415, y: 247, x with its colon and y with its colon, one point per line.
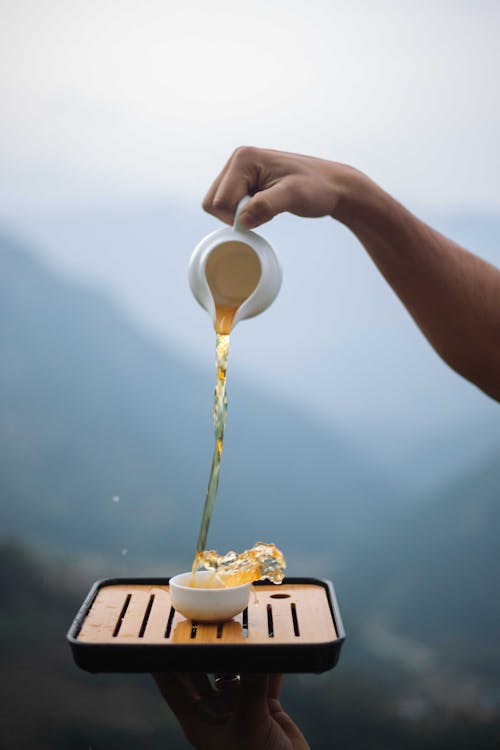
x: 253, y: 696
x: 264, y: 205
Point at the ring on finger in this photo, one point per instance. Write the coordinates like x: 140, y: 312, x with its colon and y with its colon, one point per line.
x: 226, y: 680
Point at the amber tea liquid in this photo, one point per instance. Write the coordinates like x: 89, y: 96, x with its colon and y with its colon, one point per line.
x: 233, y: 272
x: 223, y: 324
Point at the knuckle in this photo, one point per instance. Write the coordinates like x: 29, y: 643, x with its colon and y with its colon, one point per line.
x: 294, y: 191
x: 260, y: 207
x: 219, y: 203
x: 245, y: 153
x: 206, y: 204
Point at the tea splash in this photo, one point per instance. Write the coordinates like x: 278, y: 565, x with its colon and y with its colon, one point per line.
x: 232, y: 569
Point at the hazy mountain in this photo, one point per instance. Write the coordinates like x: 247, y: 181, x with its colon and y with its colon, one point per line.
x: 73, y: 709
x: 337, y: 339
x: 106, y: 440
x: 425, y: 596
x: 50, y: 704
x: 94, y: 411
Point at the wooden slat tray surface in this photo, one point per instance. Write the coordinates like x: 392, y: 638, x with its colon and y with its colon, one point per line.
x: 129, y: 625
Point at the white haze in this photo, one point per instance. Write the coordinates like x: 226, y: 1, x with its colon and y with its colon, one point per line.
x: 113, y: 106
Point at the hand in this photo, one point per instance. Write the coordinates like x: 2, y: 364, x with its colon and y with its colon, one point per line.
x: 244, y: 714
x: 278, y: 182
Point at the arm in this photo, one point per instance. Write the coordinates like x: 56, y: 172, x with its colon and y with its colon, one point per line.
x: 453, y: 295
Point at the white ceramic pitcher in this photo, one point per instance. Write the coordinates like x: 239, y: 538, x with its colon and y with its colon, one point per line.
x: 235, y: 267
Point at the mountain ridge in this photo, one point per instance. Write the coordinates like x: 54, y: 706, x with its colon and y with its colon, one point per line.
x: 87, y: 399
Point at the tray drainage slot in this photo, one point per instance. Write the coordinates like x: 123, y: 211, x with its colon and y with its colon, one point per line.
x: 170, y: 620
x: 219, y: 629
x: 295, y: 619
x: 194, y: 629
x: 122, y: 615
x: 270, y: 623
x: 244, y: 623
x: 146, y: 616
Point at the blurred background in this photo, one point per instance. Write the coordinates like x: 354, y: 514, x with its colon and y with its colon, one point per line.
x: 349, y: 443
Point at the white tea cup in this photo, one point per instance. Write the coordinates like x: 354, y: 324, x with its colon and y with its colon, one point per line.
x: 210, y: 600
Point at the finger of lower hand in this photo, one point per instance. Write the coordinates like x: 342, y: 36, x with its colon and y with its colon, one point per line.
x: 180, y: 692
x: 253, y: 696
x: 274, y: 685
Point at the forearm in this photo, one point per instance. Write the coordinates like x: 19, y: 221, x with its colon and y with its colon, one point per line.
x: 453, y: 296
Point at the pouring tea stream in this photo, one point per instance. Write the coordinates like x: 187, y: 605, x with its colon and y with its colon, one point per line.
x: 234, y: 274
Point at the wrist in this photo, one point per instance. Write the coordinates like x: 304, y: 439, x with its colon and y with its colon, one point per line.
x: 359, y: 199
x: 373, y: 215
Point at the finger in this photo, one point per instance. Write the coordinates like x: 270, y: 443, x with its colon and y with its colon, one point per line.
x: 225, y: 201
x: 274, y: 686
x: 289, y: 727
x: 253, y: 696
x: 209, y: 197
x: 276, y: 710
x: 239, y: 179
x: 227, y: 693
x: 273, y: 692
x: 180, y: 693
x: 266, y: 204
x: 201, y: 683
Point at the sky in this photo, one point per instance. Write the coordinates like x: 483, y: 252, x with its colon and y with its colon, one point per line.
x: 111, y: 106
x: 107, y: 100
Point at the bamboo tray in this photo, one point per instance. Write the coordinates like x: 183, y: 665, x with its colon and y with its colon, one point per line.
x: 129, y: 625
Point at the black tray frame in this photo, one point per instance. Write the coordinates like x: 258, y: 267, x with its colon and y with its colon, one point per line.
x: 211, y: 658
